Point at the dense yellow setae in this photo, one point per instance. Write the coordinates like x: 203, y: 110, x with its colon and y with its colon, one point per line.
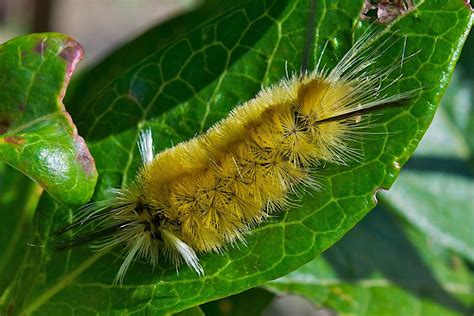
x: 210, y: 190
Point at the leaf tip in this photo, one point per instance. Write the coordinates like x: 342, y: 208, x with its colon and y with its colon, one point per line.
x: 72, y: 52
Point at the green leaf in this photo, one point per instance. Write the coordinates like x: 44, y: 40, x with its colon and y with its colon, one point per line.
x: 434, y: 191
x: 250, y: 302
x: 37, y: 135
x: 190, y: 83
x: 384, y: 268
x: 18, y: 199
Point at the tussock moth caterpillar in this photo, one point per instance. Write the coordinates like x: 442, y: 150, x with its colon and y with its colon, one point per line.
x: 211, y: 190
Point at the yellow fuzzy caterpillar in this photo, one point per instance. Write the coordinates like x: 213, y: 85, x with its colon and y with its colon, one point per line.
x: 209, y: 191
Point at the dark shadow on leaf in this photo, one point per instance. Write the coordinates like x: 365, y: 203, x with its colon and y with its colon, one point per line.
x: 442, y: 165
x: 250, y: 302
x: 379, y: 245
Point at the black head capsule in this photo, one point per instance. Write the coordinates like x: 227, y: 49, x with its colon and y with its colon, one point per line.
x: 149, y: 218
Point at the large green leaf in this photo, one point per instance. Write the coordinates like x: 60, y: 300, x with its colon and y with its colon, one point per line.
x: 37, y: 135
x: 384, y: 268
x: 190, y: 83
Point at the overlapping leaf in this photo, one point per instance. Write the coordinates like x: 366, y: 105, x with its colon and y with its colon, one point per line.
x: 37, y: 135
x: 434, y: 192
x: 190, y: 83
x: 384, y: 268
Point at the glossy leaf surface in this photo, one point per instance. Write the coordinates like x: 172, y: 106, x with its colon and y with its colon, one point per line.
x: 182, y: 89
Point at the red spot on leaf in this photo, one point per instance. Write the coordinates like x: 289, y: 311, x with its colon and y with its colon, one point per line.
x: 83, y: 156
x: 40, y: 47
x: 72, y: 53
x: 15, y: 140
x: 21, y: 107
x: 468, y: 4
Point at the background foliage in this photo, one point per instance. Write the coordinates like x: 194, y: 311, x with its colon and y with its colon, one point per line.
x: 408, y: 257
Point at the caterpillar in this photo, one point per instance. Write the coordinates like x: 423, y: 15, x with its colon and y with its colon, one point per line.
x: 210, y: 191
